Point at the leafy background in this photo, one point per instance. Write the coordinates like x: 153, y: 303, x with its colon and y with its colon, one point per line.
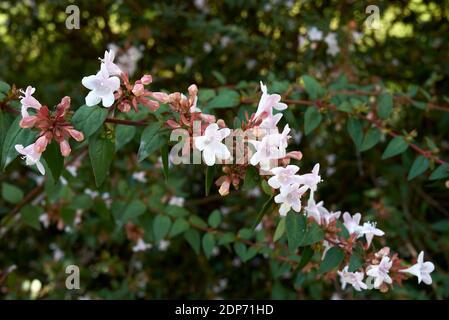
x: 231, y: 44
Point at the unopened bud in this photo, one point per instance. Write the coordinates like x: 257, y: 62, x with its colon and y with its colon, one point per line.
x: 138, y: 89
x: 41, y: 144
x: 28, y: 122
x: 65, y: 148
x: 146, y: 79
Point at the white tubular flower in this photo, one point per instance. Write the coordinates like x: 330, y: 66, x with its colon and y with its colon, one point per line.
x: 108, y: 61
x: 268, y: 102
x: 102, y: 88
x: 30, y: 156
x: 421, y: 269
x: 28, y: 101
x: 369, y: 230
x: 380, y: 272
x: 290, y: 198
x: 353, y: 278
x: 283, y: 177
x: 328, y: 216
x: 272, y: 147
x: 312, y: 209
x: 332, y: 44
x: 312, y: 179
x: 315, y: 34
x: 210, y: 144
x: 270, y: 122
x: 352, y: 224
x: 141, y: 246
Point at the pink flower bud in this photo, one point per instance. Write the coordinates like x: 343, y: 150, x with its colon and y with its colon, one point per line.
x: 28, y: 122
x: 160, y: 96
x: 193, y: 90
x: 151, y: 104
x: 77, y: 135
x: 173, y: 124
x: 138, y: 89
x: 221, y: 123
x: 64, y: 146
x: 295, y: 155
x: 146, y: 79
x: 208, y: 118
x: 447, y: 184
x: 224, y: 188
x: 41, y: 144
x: 124, y: 106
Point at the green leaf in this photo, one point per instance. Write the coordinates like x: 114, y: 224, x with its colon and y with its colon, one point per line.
x: 214, y: 219
x: 123, y: 135
x: 161, y: 226
x: 252, y: 178
x: 197, y: 221
x: 355, y: 262
x: 11, y: 193
x: 442, y: 172
x: 164, y: 156
x: 371, y: 138
x: 333, y: 258
x: 30, y: 216
x: 193, y: 238
x: 280, y: 229
x: 101, y: 152
x: 419, y: 166
x: 245, y: 233
x: 15, y: 135
x: 4, y: 87
x: 5, y: 121
x: 313, y: 88
x: 68, y: 215
x: 266, y: 206
x: 296, y: 229
x: 312, y: 119
x: 396, y: 146
x: 179, y: 226
x: 384, y: 105
x: 354, y: 128
x: 150, y: 141
x: 54, y: 160
x: 240, y: 249
x: 208, y: 244
x: 306, y: 255
x: 132, y: 211
x: 210, y: 171
x: 313, y: 235
x: 226, y: 98
x: 219, y: 76
x: 205, y: 95
x: 243, y: 252
x: 441, y: 226
x: 226, y: 238
x: 89, y: 119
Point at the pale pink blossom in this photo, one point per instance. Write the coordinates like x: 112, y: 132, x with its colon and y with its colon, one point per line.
x: 421, y: 269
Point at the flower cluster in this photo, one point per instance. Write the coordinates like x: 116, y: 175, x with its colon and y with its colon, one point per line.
x: 264, y: 147
x: 52, y: 127
x: 111, y: 85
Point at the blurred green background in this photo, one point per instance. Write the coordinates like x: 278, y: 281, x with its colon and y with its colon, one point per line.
x: 238, y: 43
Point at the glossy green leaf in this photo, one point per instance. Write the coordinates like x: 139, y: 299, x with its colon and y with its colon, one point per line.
x: 396, y: 146
x: 312, y: 119
x: 89, y: 119
x: 101, y: 153
x: 150, y: 141
x: 332, y: 259
x: 161, y: 226
x: 419, y: 166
